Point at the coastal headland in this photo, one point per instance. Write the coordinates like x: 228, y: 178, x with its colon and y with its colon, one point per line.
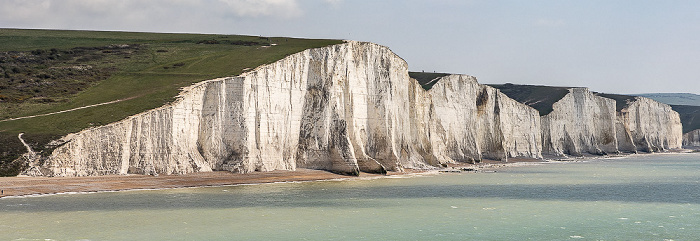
x: 349, y: 108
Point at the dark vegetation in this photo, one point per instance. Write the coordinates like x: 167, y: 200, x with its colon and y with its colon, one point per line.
x: 481, y: 100
x: 426, y: 80
x: 542, y: 98
x: 622, y: 101
x: 45, y: 71
x: 690, y: 116
x: 11, y: 149
x: 52, y: 75
x: 236, y: 42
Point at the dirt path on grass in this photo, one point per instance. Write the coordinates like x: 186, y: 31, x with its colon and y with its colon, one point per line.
x: 69, y: 110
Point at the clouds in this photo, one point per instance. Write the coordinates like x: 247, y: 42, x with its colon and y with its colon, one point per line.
x: 152, y: 15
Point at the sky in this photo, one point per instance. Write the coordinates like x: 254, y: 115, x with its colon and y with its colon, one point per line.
x: 610, y: 46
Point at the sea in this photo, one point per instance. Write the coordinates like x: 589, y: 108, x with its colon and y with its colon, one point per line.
x: 639, y: 197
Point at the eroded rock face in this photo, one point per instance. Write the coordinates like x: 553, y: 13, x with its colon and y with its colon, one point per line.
x: 649, y: 126
x: 470, y: 121
x: 344, y: 108
x: 584, y: 123
x: 341, y: 108
x: 580, y: 123
x: 692, y: 138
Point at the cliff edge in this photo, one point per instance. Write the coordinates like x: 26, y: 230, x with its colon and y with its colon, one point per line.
x: 348, y: 108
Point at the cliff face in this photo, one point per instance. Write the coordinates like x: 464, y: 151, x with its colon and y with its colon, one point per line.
x: 585, y: 123
x: 341, y: 108
x: 649, y: 126
x: 580, y: 122
x: 692, y: 138
x: 345, y: 108
x: 470, y: 121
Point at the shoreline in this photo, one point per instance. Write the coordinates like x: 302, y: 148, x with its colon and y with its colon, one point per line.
x: 40, y: 186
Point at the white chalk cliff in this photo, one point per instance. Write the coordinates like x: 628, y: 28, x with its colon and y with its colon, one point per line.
x: 581, y: 122
x: 584, y: 123
x: 649, y: 126
x: 692, y: 138
x: 470, y: 121
x: 345, y: 108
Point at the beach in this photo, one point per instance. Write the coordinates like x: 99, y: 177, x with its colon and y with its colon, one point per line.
x: 30, y: 186
x: 33, y: 186
x: 24, y: 186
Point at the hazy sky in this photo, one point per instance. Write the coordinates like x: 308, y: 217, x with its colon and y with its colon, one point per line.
x: 610, y: 46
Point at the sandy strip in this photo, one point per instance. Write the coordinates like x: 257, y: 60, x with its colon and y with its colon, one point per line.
x: 23, y: 186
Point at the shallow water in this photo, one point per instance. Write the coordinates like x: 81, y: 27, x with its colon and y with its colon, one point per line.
x: 649, y: 197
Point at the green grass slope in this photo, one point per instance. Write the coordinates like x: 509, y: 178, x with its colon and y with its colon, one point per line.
x: 674, y: 98
x: 540, y: 97
x: 621, y: 101
x: 426, y: 80
x: 690, y: 116
x: 45, y: 71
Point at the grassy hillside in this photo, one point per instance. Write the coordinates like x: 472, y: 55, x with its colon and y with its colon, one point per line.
x: 45, y: 71
x: 690, y: 116
x: 621, y: 101
x: 674, y: 98
x: 426, y: 80
x: 536, y: 96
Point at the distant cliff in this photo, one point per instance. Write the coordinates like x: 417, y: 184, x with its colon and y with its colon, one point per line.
x: 348, y: 108
x: 580, y: 123
x: 692, y: 138
x: 470, y: 121
x: 688, y: 107
x: 651, y: 126
x: 583, y: 122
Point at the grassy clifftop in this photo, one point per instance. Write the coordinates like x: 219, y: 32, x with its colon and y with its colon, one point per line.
x: 542, y: 98
x: 46, y: 71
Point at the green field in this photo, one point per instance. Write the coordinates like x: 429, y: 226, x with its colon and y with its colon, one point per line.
x: 45, y: 71
x: 427, y: 80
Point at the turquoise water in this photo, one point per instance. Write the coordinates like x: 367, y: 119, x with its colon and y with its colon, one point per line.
x: 650, y: 197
